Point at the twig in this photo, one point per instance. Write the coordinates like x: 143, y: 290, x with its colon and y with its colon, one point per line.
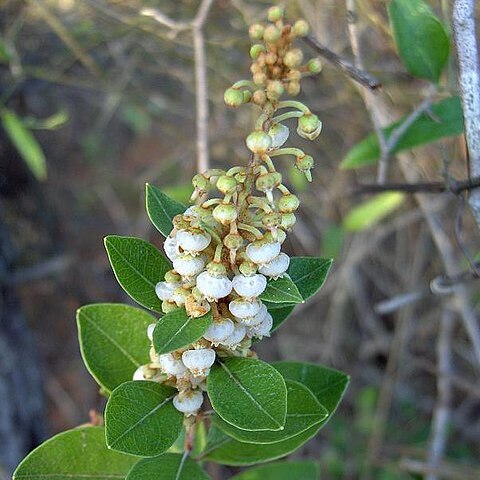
x: 441, y: 414
x: 463, y: 21
x: 361, y: 76
x: 367, y: 94
x: 454, y: 186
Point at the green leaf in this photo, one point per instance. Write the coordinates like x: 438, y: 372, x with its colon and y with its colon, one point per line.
x: 422, y: 40
x: 76, y: 454
x: 327, y: 384
x: 176, y: 330
x: 370, y: 212
x: 53, y: 122
x: 138, y: 266
x: 169, y: 466
x: 309, y: 274
x: 228, y: 451
x: 303, y: 411
x: 248, y: 393
x: 281, y: 471
x: 282, y: 290
x: 161, y: 209
x: 140, y: 418
x: 279, y: 315
x: 444, y: 119
x: 25, y: 143
x: 113, y: 341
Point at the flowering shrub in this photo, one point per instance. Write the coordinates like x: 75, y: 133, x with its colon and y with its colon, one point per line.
x: 230, y: 286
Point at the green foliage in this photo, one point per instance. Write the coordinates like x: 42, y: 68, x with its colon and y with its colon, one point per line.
x: 279, y: 314
x: 161, y: 209
x: 282, y: 290
x: 176, y: 330
x: 248, y: 393
x: 171, y: 466
x: 138, y: 267
x: 140, y: 419
x: 309, y: 274
x: 370, y: 212
x: 113, y: 341
x: 281, y: 471
x: 444, y: 119
x: 75, y: 455
x: 303, y: 411
x: 422, y: 40
x: 25, y: 143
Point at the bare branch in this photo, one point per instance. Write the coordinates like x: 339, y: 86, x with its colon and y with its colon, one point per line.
x: 469, y: 78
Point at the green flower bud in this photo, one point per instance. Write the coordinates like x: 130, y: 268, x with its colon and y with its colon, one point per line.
x: 173, y: 277
x: 293, y: 58
x: 308, y: 123
x: 275, y: 89
x: 216, y: 269
x: 259, y: 142
x: 227, y: 185
x: 293, y: 88
x: 233, y: 241
x: 248, y: 268
x: 201, y: 183
x: 233, y: 97
x: 301, y: 28
x: 268, y: 181
x: 168, y: 307
x: 288, y: 221
x: 256, y: 50
x: 256, y: 31
x: 272, y: 34
x: 225, y: 213
x: 314, y: 65
x: 305, y: 164
x: 259, y: 78
x: 288, y: 203
x: 259, y: 97
x: 247, y: 96
x: 271, y: 220
x: 280, y: 238
x: 275, y: 13
x: 294, y: 75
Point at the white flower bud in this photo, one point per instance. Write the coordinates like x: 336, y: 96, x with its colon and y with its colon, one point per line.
x: 261, y: 253
x: 188, y: 266
x: 188, y: 402
x: 164, y: 290
x: 150, y: 330
x: 262, y: 329
x: 171, y: 366
x: 191, y: 212
x: 249, y: 286
x: 214, y: 286
x: 236, y: 337
x: 193, y: 242
x: 242, y: 308
x: 255, y: 319
x: 138, y: 375
x: 279, y: 134
x: 277, y: 267
x: 199, y: 361
x: 219, y: 330
x: 171, y: 247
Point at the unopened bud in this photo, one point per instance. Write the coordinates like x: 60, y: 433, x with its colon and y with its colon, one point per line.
x: 293, y: 88
x: 225, y: 213
x: 288, y: 203
x: 271, y: 34
x: 288, y: 221
x: 275, y: 13
x: 300, y: 28
x: 259, y: 78
x: 201, y: 183
x: 258, y: 142
x: 309, y: 126
x: 314, y: 65
x: 259, y: 97
x: 275, y: 89
x: 256, y: 31
x: 233, y: 241
x: 293, y: 58
x: 256, y: 50
x: 233, y: 97
x: 271, y: 220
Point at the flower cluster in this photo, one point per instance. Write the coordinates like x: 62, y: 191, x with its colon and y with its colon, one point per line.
x: 227, y: 246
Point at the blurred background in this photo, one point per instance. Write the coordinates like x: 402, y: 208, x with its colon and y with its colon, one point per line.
x: 107, y: 97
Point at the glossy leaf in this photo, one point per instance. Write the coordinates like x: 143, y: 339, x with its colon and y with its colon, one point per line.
x: 161, y: 209
x: 279, y: 315
x: 113, y: 341
x: 303, y: 411
x: 176, y: 330
x: 140, y: 418
x: 370, y: 212
x: 445, y: 119
x: 169, y: 466
x: 327, y: 384
x: 282, y: 290
x: 281, y: 471
x: 25, y: 143
x: 309, y: 274
x: 248, y: 393
x: 76, y: 454
x: 138, y: 266
x: 422, y: 40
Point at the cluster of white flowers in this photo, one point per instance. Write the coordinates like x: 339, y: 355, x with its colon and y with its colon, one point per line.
x: 225, y: 248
